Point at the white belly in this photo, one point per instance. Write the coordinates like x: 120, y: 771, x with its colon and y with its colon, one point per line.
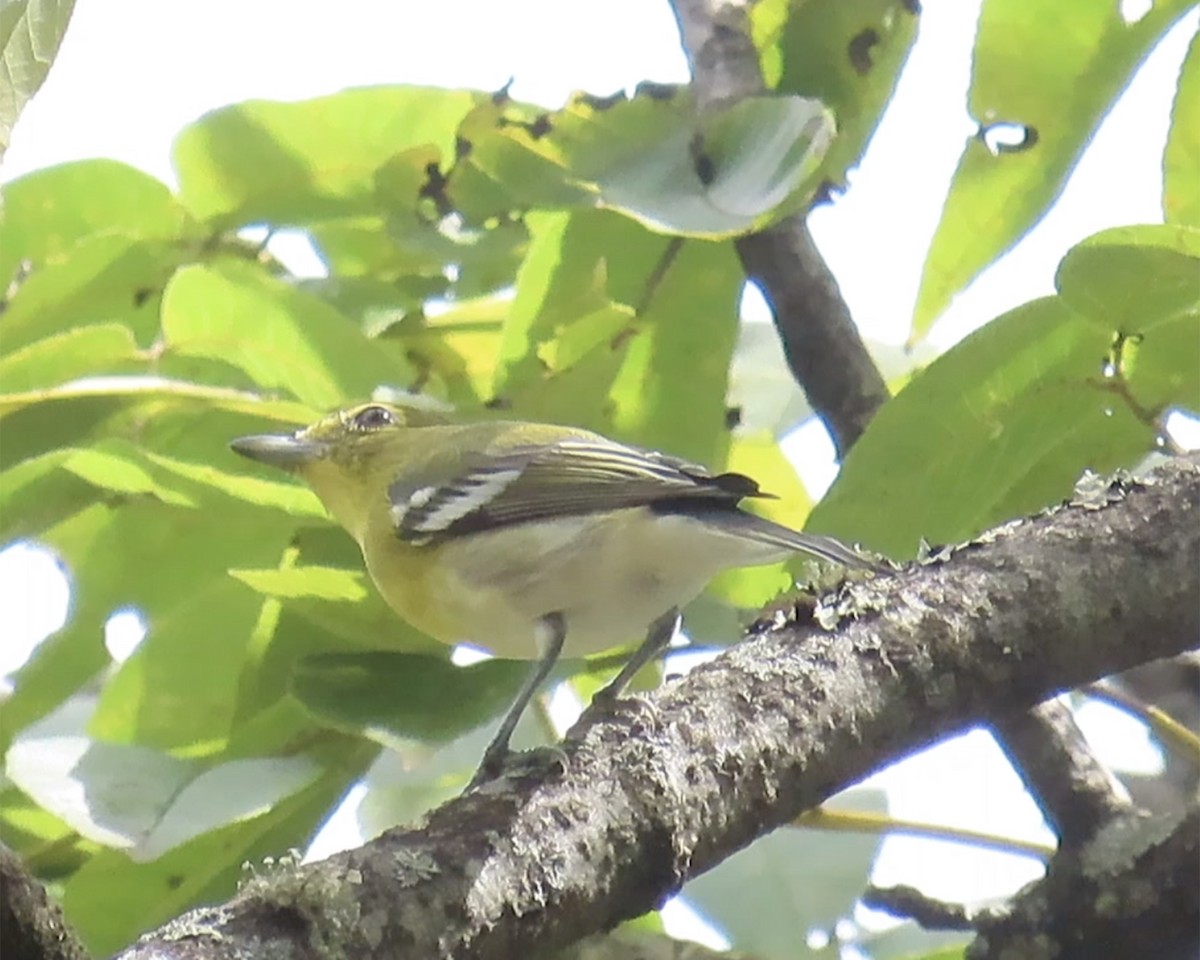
x: 608, y: 576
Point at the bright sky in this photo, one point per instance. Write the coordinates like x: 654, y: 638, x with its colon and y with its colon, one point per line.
x: 131, y: 73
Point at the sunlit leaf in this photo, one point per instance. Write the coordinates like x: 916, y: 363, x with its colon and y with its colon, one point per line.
x: 104, y: 277
x: 1043, y: 80
x: 648, y: 157
x: 396, y: 695
x: 1181, y: 159
x: 1000, y: 425
x: 100, y: 348
x: 47, y: 212
x: 1131, y: 278
x: 768, y: 897
x: 301, y: 345
x: 846, y: 55
x: 112, y: 899
x: 30, y: 32
x: 297, y: 163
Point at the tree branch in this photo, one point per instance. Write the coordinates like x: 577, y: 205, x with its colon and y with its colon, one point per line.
x: 831, y: 363
x: 665, y: 787
x: 32, y: 926
x: 1076, y: 792
x: 823, y: 348
x: 1130, y: 891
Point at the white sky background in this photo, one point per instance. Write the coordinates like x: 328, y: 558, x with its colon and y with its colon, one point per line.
x: 131, y: 73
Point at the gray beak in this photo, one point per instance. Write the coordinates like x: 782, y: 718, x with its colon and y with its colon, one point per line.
x: 284, y: 450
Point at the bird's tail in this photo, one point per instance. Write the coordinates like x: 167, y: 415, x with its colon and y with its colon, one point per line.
x: 789, y: 541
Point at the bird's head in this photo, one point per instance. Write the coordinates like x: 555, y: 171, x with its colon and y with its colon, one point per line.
x: 341, y: 455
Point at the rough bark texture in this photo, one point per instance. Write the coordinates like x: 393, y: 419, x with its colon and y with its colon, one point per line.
x: 668, y: 786
x: 1129, y: 892
x: 1078, y: 794
x: 32, y: 926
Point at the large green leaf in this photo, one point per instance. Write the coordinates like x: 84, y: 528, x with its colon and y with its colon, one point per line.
x: 35, y: 494
x: 1000, y: 425
x: 99, y: 348
x: 846, y: 55
x: 396, y: 695
x: 48, y: 211
x: 1054, y: 72
x: 179, y: 688
x: 299, y: 163
x: 103, y: 277
x: 648, y: 156
x: 145, y: 802
x: 115, y: 553
x: 1141, y: 285
x: 771, y: 895
x: 621, y: 330
x: 456, y: 352
x: 299, y: 344
x: 112, y: 899
x: 1130, y: 279
x: 178, y: 418
x: 30, y: 32
x: 1181, y: 159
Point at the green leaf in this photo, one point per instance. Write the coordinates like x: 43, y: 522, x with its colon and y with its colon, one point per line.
x: 291, y: 498
x: 396, y: 695
x: 1129, y: 279
x: 315, y: 583
x: 117, y: 555
x: 193, y: 654
x: 46, y: 844
x: 161, y: 394
x: 1181, y: 159
x: 648, y: 157
x: 661, y: 379
x: 1055, y: 74
x: 670, y: 392
x: 115, y: 468
x: 30, y: 32
x: 113, y: 899
x: 1140, y: 285
x: 339, y: 602
x: 35, y: 494
x: 101, y: 348
x: 846, y: 55
x: 298, y: 163
x: 768, y: 897
x: 301, y: 345
x: 105, y: 277
x: 49, y: 211
x: 456, y: 351
x: 756, y: 154
x: 145, y: 802
x: 999, y: 426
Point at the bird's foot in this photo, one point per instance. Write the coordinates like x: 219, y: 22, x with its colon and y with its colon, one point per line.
x: 612, y: 703
x: 506, y: 764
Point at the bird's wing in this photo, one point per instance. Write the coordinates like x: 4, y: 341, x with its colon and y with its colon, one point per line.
x: 538, y: 482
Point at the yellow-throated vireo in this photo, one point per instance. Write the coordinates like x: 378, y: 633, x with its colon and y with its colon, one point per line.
x: 528, y: 539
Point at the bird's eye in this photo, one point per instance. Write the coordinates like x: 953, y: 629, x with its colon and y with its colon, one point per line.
x: 373, y: 418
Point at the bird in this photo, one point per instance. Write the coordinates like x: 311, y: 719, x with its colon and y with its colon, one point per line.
x: 529, y: 540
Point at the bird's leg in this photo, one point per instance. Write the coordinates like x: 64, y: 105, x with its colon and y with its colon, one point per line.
x: 552, y: 632
x: 658, y: 638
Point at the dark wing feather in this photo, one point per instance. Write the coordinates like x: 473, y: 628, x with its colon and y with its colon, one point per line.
x: 567, y: 478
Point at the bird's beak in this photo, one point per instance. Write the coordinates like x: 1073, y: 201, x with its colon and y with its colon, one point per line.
x: 284, y: 450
